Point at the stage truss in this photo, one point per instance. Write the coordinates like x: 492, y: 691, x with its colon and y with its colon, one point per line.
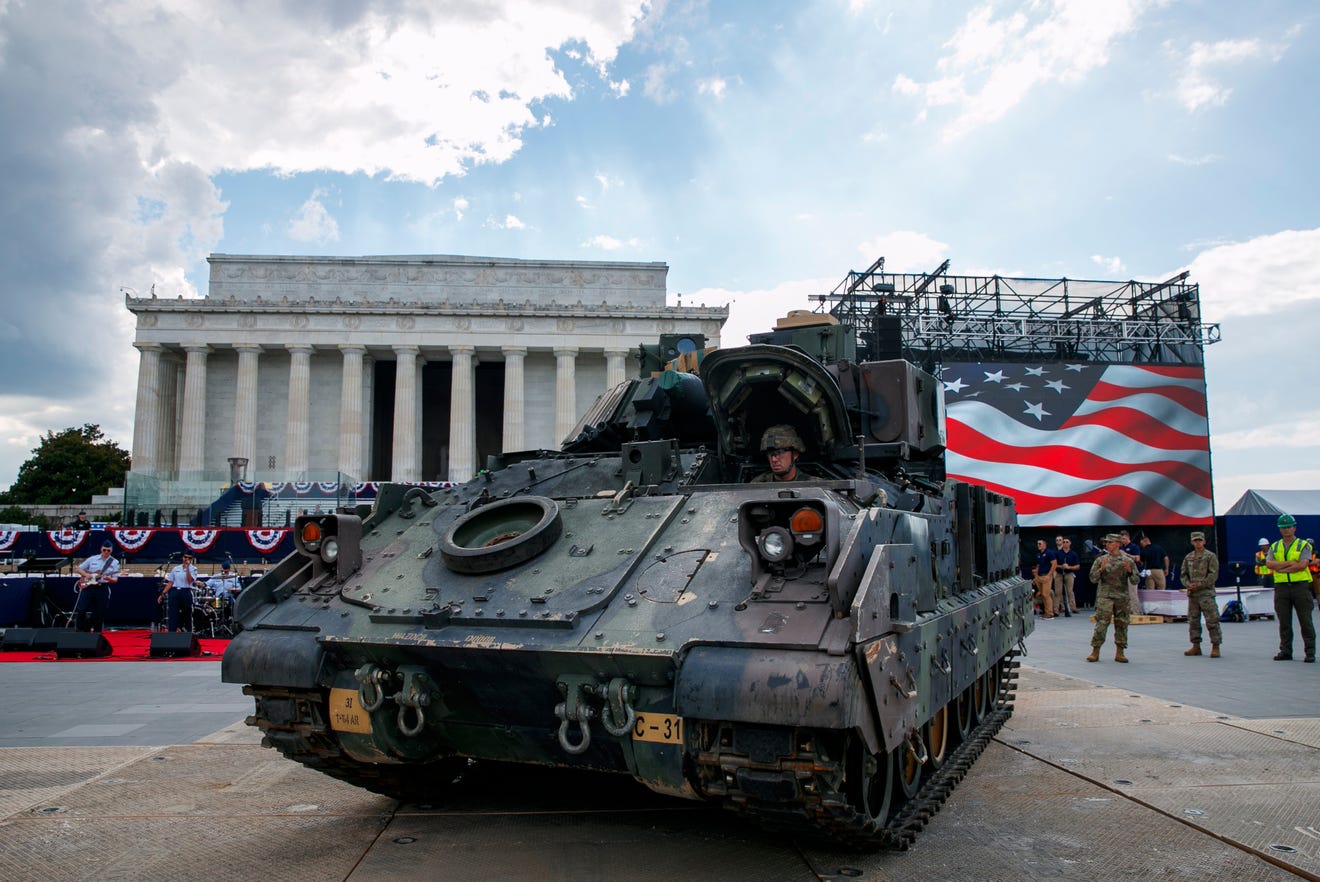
x: 937, y: 318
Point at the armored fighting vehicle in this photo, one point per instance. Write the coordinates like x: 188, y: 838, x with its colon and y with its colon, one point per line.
x: 825, y: 656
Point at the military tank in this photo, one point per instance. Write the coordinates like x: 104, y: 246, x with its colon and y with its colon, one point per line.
x: 825, y: 656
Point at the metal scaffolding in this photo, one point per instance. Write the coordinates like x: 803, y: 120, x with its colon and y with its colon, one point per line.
x: 935, y: 318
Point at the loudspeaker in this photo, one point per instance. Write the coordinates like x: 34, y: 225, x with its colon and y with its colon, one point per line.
x: 30, y: 639
x: 77, y: 644
x: 180, y: 644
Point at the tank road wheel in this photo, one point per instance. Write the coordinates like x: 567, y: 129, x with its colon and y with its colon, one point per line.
x: 501, y: 534
x: 964, y: 712
x: 870, y: 782
x: 936, y: 734
x: 990, y: 690
x: 907, y: 769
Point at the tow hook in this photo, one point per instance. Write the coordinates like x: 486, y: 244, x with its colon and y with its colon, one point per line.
x: 582, y: 695
x: 416, y: 692
x: 371, y: 679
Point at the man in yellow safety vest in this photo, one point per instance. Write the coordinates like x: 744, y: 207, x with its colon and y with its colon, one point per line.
x: 1263, y: 574
x: 1289, y: 560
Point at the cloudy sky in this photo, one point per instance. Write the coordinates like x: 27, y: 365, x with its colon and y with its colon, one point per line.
x: 762, y: 149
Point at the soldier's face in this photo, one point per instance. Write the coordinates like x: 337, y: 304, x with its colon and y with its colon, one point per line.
x: 1112, y: 546
x: 782, y: 459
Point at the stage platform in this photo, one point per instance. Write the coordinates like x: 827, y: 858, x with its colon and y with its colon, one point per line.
x: 1104, y: 772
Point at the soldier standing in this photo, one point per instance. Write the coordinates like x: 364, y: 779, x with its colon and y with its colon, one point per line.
x: 1200, y: 570
x: 1110, y: 572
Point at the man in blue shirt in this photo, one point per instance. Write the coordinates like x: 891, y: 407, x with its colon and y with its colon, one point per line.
x: 95, y: 576
x: 1064, y: 576
x: 177, y: 594
x: 1043, y: 577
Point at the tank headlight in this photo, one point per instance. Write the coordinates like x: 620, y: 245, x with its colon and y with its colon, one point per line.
x: 330, y: 550
x: 311, y: 535
x: 775, y: 544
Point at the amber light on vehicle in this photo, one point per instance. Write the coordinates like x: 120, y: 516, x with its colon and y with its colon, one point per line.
x: 311, y: 535
x: 807, y: 525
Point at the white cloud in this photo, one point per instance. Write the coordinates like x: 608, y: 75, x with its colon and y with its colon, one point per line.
x: 993, y: 62
x: 1112, y: 266
x: 510, y: 222
x: 753, y: 312
x: 1204, y: 159
x: 460, y: 205
x: 714, y: 87
x: 1268, y: 274
x: 610, y: 243
x: 394, y: 71
x: 1198, y: 88
x: 313, y: 223
x: 904, y: 252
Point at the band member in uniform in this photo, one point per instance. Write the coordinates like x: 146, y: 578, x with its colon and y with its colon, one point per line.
x: 177, y: 594
x: 95, y: 576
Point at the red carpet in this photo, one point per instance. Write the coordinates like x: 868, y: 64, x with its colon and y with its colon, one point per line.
x: 128, y: 645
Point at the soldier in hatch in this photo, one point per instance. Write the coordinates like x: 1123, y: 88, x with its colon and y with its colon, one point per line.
x: 782, y: 445
x: 1110, y: 573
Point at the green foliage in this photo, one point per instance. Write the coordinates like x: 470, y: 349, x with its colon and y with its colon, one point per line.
x: 68, y: 467
x: 14, y: 515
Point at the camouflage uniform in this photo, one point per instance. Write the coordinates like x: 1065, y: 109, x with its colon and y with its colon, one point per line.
x: 1109, y: 573
x: 1200, y: 569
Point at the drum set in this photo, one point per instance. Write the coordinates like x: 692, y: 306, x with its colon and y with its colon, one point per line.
x: 212, y: 610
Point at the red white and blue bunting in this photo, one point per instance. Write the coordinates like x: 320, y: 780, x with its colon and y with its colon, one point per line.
x: 8, y: 538
x: 265, y: 541
x: 131, y: 540
x: 66, y: 541
x: 198, y: 540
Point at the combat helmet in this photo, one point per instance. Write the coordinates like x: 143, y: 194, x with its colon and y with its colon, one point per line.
x: 782, y: 437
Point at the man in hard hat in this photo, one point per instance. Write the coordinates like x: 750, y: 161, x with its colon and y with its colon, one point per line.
x: 782, y: 446
x: 1263, y: 574
x: 1289, y: 560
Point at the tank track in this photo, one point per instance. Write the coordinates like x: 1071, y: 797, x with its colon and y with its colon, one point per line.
x: 293, y: 722
x: 819, y: 809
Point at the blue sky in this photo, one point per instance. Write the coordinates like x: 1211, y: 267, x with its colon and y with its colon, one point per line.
x: 761, y: 149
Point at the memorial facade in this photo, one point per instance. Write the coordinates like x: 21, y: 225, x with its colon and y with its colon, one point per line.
x: 386, y: 368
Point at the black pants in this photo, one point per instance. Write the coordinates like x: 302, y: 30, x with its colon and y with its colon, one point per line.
x: 91, y: 604
x: 1290, y: 597
x: 178, y: 604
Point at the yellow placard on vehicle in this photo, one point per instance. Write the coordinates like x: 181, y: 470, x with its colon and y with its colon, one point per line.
x: 345, y: 713
x: 660, y: 728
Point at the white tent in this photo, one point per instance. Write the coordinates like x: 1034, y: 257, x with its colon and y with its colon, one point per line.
x: 1275, y: 502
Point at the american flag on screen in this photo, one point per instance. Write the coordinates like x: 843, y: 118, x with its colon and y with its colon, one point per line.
x: 1083, y: 444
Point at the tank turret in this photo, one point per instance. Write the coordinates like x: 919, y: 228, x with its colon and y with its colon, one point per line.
x: 824, y: 655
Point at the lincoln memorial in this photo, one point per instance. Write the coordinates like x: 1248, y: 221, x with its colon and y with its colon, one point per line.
x: 410, y: 368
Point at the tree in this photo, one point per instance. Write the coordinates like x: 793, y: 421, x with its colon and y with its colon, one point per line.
x: 68, y: 467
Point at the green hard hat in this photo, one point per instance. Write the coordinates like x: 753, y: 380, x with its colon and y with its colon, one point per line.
x: 1286, y: 520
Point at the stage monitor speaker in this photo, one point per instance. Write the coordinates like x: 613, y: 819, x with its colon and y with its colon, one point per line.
x: 30, y: 639
x: 177, y: 645
x: 81, y: 644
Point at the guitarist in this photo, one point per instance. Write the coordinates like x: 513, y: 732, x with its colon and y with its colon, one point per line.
x: 95, y: 576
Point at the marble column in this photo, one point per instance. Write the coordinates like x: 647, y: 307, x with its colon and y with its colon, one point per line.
x: 615, y: 364
x: 167, y: 429
x: 350, y: 411
x: 462, y: 409
x: 515, y: 421
x: 192, y: 444
x: 147, y: 415
x: 566, y: 415
x: 369, y: 416
x: 296, y: 437
x: 245, y: 406
x: 404, y: 465
x: 180, y: 382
